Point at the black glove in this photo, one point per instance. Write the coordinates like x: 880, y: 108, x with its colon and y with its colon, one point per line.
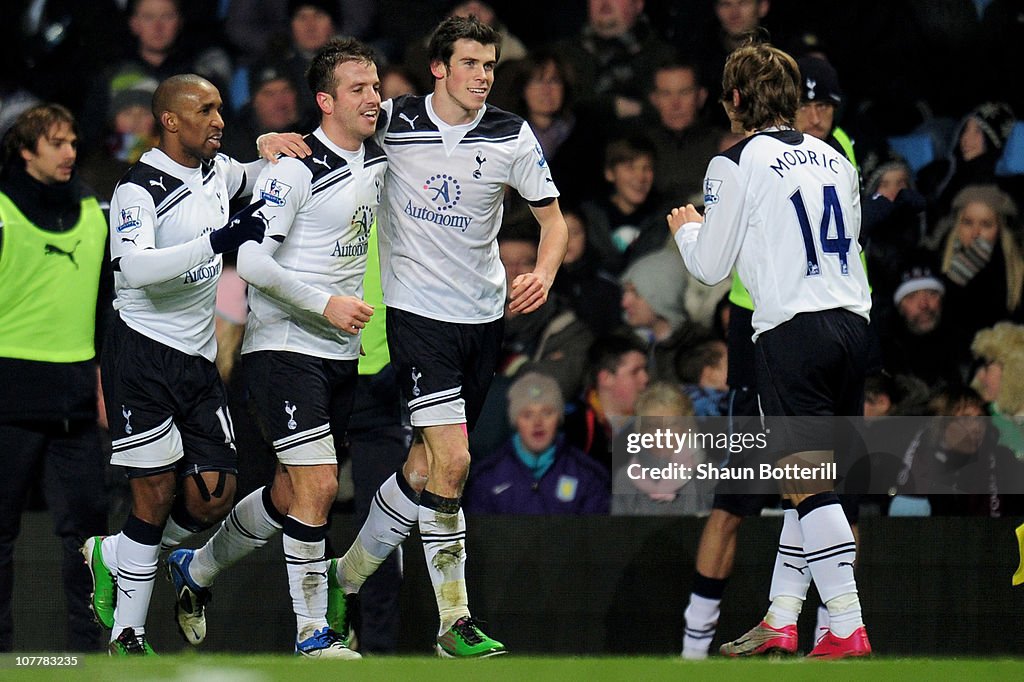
x: 246, y: 225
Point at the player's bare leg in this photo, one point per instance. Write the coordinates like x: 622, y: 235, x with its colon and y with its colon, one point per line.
x: 442, y: 527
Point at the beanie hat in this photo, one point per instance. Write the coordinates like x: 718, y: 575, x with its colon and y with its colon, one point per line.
x: 875, y: 168
x: 819, y: 81
x: 660, y: 279
x: 996, y: 121
x: 328, y: 7
x: 533, y: 388
x: 917, y: 277
x: 999, y: 201
x: 263, y: 73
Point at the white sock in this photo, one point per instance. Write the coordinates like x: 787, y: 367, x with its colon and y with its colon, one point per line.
x: 844, y: 615
x: 304, y: 548
x: 791, y: 577
x: 108, y: 549
x: 820, y: 622
x: 444, y: 544
x: 173, y: 535
x: 831, y: 551
x: 701, y: 621
x: 248, y: 527
x: 137, y: 568
x: 392, y: 515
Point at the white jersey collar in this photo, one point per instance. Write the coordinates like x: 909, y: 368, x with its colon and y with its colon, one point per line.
x: 451, y: 135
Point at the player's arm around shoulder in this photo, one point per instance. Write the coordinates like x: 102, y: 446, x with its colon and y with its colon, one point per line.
x: 530, y: 290
x: 271, y: 147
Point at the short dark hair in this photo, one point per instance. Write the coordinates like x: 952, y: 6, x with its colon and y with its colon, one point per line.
x: 320, y: 74
x: 607, y: 352
x: 454, y: 29
x: 628, y: 149
x: 690, y: 365
x: 133, y: 6
x: 30, y: 126
x: 675, y: 64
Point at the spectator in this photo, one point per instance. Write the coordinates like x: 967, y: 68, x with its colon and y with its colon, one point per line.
x: 1000, y: 380
x: 537, y: 471
x: 131, y: 132
x: 922, y: 340
x: 897, y: 225
x: 53, y: 238
x: 612, y: 56
x: 252, y: 26
x: 158, y: 52
x: 273, y: 107
x: 551, y: 340
x: 542, y: 91
x: 653, y: 304
x: 416, y: 58
x: 311, y: 24
x: 661, y: 406
x: 958, y: 463
x: 590, y: 290
x: 982, y: 259
x: 685, y: 143
x: 617, y: 374
x: 703, y: 372
x: 974, y: 151
x: 396, y: 80
x: 732, y: 21
x: 820, y: 98
x: 630, y: 212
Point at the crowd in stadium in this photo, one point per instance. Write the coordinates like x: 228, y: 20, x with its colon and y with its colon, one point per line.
x: 624, y: 98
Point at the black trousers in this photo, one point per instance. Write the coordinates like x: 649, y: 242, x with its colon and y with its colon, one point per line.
x: 69, y: 463
x: 378, y: 438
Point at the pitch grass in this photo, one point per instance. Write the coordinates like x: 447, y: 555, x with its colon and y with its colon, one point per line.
x: 265, y: 668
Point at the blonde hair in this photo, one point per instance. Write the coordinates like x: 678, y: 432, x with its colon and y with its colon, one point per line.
x: 1004, y: 343
x: 1002, y: 205
x: 665, y: 396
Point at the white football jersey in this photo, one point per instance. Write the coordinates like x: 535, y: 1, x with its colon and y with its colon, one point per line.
x: 784, y: 207
x: 162, y: 205
x: 319, y: 212
x: 442, y: 207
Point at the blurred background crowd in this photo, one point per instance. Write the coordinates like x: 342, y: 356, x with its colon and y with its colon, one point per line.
x: 623, y: 96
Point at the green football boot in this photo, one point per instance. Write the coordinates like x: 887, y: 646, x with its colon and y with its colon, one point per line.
x: 340, y: 608
x: 466, y: 640
x: 103, y: 582
x: 130, y: 644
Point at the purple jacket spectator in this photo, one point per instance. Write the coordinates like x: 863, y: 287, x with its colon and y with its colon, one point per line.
x: 573, y: 484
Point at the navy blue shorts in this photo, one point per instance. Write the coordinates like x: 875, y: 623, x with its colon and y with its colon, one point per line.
x: 302, y: 403
x: 167, y: 410
x: 444, y: 368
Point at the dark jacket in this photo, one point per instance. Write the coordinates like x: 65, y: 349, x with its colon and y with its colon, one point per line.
x: 575, y: 484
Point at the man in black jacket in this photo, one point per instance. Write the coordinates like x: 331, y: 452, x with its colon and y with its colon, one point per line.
x: 52, y: 244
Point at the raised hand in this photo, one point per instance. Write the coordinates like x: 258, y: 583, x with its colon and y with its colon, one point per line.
x: 249, y: 224
x: 682, y: 215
